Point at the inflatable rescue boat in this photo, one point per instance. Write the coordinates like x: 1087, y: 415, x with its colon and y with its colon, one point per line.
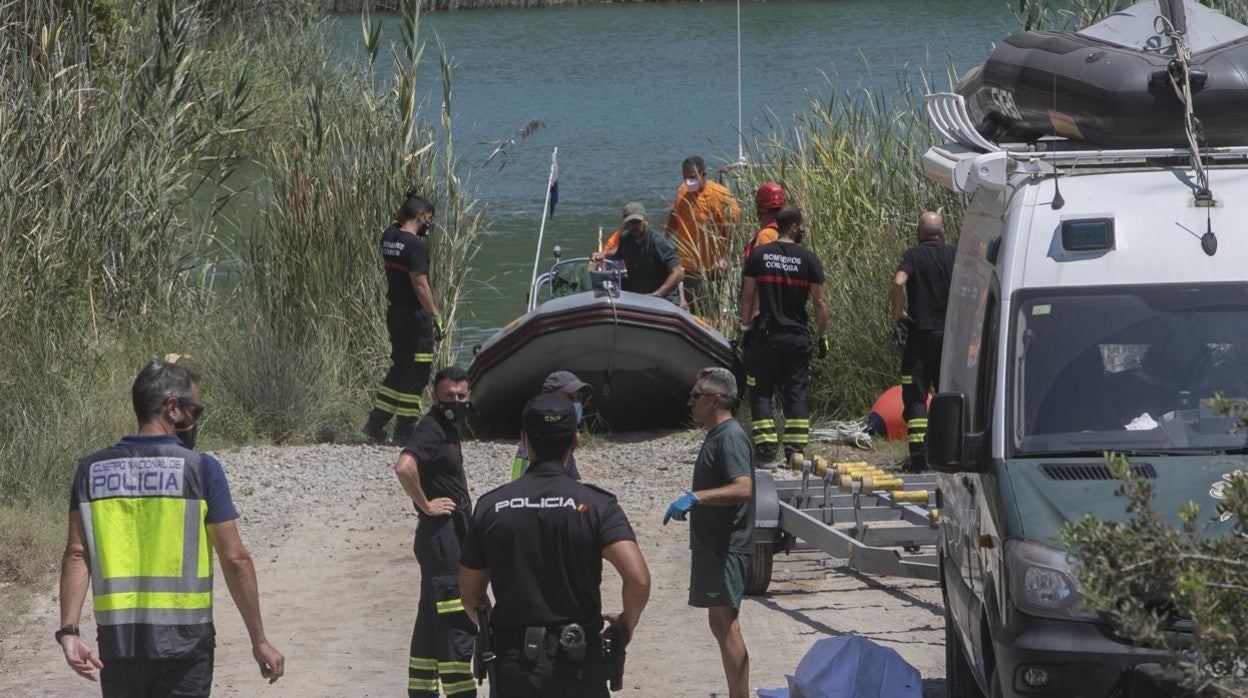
x: 641, y: 354
x: 1111, y: 85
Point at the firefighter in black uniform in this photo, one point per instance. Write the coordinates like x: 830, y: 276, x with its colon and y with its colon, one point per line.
x: 412, y: 320
x: 431, y: 470
x: 920, y: 296
x: 782, y: 275
x: 540, y: 542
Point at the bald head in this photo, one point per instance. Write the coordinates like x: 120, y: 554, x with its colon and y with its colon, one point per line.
x: 930, y: 226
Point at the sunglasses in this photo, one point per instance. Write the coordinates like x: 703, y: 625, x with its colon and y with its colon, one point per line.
x: 193, y: 409
x: 695, y: 395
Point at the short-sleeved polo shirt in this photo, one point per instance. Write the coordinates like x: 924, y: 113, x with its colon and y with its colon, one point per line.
x: 541, y: 538
x: 726, y: 455
x: 216, y: 488
x: 434, y: 444
x: 403, y: 253
x: 648, y: 261
x: 929, y: 271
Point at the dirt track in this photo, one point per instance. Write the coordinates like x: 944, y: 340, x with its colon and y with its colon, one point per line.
x: 339, y: 583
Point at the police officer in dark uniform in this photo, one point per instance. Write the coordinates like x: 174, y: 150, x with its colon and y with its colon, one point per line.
x: 431, y: 470
x: 920, y: 297
x: 783, y: 275
x: 412, y: 321
x: 540, y: 542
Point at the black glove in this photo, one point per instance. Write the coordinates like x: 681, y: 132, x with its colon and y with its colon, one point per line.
x: 823, y: 347
x: 901, y: 332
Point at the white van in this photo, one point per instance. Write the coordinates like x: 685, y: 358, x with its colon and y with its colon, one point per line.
x: 1099, y: 299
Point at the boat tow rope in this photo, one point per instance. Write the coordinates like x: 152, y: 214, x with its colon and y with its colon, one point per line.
x: 853, y: 433
x: 1180, y: 72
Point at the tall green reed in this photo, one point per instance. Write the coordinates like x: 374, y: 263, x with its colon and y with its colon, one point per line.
x: 98, y: 258
x: 313, y: 334
x: 852, y: 163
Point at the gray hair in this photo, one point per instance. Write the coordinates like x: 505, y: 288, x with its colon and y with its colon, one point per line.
x: 720, y: 380
x: 157, y: 382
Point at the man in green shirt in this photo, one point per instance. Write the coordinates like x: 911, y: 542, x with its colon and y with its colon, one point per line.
x: 721, y: 526
x: 651, y: 261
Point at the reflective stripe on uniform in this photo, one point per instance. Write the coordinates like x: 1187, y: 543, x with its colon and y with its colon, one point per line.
x: 450, y: 606
x: 149, y: 556
x: 397, y: 396
x: 916, y: 438
x: 422, y: 663
x: 916, y: 423
x: 796, y: 439
x: 421, y: 358
x: 454, y: 667
x: 458, y: 687
x: 765, y: 439
x: 907, y: 380
x: 422, y: 685
x: 749, y: 381
x: 399, y: 411
x: 764, y: 424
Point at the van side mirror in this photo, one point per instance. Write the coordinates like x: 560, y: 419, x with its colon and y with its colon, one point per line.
x: 950, y: 449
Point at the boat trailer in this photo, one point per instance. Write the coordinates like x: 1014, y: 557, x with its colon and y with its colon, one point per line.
x: 881, y: 524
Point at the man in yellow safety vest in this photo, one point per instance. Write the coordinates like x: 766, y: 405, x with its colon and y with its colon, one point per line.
x: 145, y: 516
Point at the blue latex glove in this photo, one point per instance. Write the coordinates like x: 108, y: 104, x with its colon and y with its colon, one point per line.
x: 680, y: 507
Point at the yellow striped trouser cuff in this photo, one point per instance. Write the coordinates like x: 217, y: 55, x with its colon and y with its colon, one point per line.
x: 454, y: 667
x: 422, y: 685
x: 749, y: 381
x: 907, y: 380
x: 422, y: 663
x: 916, y: 438
x: 450, y: 606
x: 423, y: 358
x: 797, y: 439
x: 460, y: 687
x: 398, y: 411
x: 763, y: 424
x: 795, y: 422
x: 765, y: 439
x: 396, y: 395
x: 916, y: 423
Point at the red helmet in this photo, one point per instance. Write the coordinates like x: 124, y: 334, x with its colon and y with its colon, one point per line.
x: 770, y: 197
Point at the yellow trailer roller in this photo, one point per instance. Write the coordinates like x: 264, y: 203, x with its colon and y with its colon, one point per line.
x: 910, y: 497
x: 876, y: 484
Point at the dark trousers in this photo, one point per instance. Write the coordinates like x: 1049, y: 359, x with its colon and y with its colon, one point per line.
x: 157, y: 678
x: 557, y: 677
x: 443, y: 637
x: 920, y: 374
x: 780, y: 363
x: 411, y: 362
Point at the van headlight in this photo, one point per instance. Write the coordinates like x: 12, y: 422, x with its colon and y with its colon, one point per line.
x: 1042, y: 582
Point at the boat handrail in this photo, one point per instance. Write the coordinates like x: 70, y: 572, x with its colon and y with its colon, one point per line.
x: 548, y: 278
x: 948, y: 115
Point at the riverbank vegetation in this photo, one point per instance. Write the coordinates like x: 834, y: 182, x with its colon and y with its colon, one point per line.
x: 123, y: 127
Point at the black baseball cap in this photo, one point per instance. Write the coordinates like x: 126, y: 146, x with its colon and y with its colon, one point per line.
x: 566, y: 382
x: 549, y: 417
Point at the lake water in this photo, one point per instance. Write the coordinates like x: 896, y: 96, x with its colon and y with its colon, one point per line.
x: 628, y: 91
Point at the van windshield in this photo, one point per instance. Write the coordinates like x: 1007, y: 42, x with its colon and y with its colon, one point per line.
x: 1128, y: 368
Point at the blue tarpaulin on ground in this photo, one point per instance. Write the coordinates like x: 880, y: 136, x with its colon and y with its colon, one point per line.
x: 850, y: 667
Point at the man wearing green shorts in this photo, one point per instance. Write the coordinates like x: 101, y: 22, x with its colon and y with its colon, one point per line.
x: 721, y: 526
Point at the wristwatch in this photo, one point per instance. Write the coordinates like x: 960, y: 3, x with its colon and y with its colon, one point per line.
x: 67, y: 630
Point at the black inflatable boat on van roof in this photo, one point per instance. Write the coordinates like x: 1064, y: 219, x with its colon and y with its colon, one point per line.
x: 1110, y: 84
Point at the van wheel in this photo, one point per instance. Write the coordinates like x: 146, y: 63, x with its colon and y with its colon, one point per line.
x: 959, y: 676
x: 758, y: 576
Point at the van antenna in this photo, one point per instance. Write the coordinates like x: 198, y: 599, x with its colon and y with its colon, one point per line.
x: 1058, y: 201
x: 1180, y: 74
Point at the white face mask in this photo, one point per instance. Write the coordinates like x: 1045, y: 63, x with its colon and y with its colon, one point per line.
x: 693, y: 184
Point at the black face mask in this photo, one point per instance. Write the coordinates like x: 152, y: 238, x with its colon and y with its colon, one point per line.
x: 454, y: 412
x: 187, y: 430
x: 423, y: 230
x: 799, y: 236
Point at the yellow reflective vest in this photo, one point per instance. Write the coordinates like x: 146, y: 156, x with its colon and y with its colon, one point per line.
x: 143, y: 508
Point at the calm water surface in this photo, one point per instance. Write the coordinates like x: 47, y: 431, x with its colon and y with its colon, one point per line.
x: 628, y: 91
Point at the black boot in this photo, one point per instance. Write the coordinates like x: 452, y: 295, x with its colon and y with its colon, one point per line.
x: 375, y: 427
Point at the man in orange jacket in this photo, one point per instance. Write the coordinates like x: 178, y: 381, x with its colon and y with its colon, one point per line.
x: 700, y: 220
